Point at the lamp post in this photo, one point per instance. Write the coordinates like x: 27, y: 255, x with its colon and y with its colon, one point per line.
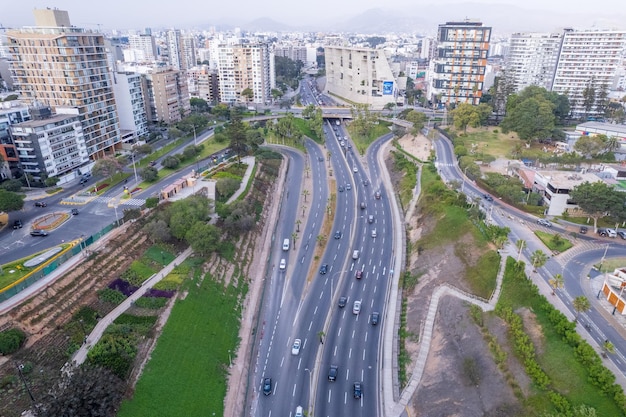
x: 464, y: 175
x: 132, y: 155
x: 310, y: 391
x: 19, y: 371
x: 603, y: 256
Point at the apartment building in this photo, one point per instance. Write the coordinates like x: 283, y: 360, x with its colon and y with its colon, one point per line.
x: 131, y: 106
x: 360, y: 75
x: 143, y: 47
x: 532, y: 59
x: 293, y: 52
x: 50, y: 145
x: 59, y: 65
x: 242, y: 66
x: 457, y: 70
x: 11, y: 113
x: 203, y: 83
x: 167, y: 96
x: 181, y: 50
x: 588, y: 59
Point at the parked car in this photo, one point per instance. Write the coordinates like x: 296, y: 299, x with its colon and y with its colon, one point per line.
x: 324, y: 269
x: 357, y: 390
x: 374, y: 318
x: 267, y: 386
x: 584, y: 230
x: 544, y: 222
x: 622, y: 234
x: 74, y: 212
x: 38, y: 232
x: 17, y: 224
x: 343, y: 301
x: 295, y: 349
x: 607, y: 232
x: 332, y: 373
x: 40, y: 204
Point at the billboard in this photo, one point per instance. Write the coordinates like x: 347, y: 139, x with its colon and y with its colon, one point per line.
x: 387, y: 88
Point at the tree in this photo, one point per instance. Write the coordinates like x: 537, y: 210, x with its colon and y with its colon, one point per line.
x: 538, y: 259
x: 591, y: 146
x: 158, y: 231
x: 84, y: 391
x: 226, y: 187
x: 531, y: 119
x: 236, y: 132
x: 106, y: 167
x: 185, y: 213
x: 589, y: 96
x: 597, y: 199
x: 198, y: 105
x: 248, y: 94
x: 305, y: 193
x: 556, y: 282
x: 320, y: 240
x: 221, y: 111
x: 170, y: 162
x: 11, y: 185
x: 607, y: 347
x: 149, y: 174
x: 418, y: 119
x: 465, y: 114
x: 581, y: 304
x: 10, y: 201
x: 294, y: 236
x: 276, y: 94
x: 203, y: 238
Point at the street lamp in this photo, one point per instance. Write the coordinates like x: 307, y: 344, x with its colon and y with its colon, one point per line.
x: 603, y: 256
x: 464, y: 175
x: 310, y: 390
x: 132, y: 155
x: 20, y: 367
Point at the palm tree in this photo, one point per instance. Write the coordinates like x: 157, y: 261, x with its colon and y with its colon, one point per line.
x: 539, y: 259
x: 581, y: 304
x: 321, y: 335
x: 305, y: 193
x: 607, y: 347
x: 612, y: 144
x: 294, y: 236
x: 521, y: 244
x: 556, y: 282
x: 298, y: 223
x: 320, y: 239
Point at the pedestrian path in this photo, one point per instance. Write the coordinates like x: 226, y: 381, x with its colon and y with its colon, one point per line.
x: 120, y: 201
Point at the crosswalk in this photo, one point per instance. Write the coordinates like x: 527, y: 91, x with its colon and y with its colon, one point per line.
x: 580, y: 247
x: 136, y: 202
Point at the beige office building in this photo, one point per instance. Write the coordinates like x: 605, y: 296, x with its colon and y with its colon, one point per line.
x: 62, y: 66
x: 168, y: 96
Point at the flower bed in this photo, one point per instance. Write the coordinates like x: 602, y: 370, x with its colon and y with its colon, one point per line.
x: 159, y: 293
x: 99, y: 188
x: 123, y: 286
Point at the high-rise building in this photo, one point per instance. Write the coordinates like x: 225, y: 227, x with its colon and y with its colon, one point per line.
x: 168, y: 96
x: 181, y: 50
x: 50, y: 145
x: 588, y: 63
x: 143, y: 46
x: 295, y: 53
x: 203, y: 83
x: 131, y: 107
x: 361, y: 75
x: 59, y: 65
x: 457, y: 70
x: 532, y: 59
x: 11, y: 112
x: 244, y: 66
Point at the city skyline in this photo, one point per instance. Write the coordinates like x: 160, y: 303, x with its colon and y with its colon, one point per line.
x: 159, y: 13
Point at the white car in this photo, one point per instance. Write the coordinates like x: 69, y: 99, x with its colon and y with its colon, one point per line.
x: 283, y: 264
x: 295, y: 349
x: 356, y: 307
x: 355, y: 169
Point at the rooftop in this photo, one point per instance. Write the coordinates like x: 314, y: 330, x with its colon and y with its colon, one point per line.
x: 568, y: 179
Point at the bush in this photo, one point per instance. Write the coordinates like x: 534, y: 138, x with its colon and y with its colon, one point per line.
x: 170, y: 162
x: 152, y: 202
x: 111, y: 296
x: 11, y: 340
x: 153, y: 303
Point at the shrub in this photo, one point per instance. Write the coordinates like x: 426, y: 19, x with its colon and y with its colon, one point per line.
x: 124, y: 287
x: 11, y: 340
x: 152, y: 202
x: 153, y: 303
x: 111, y: 296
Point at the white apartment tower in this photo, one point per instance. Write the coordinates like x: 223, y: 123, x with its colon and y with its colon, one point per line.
x: 457, y: 70
x: 144, y: 47
x: 59, y: 65
x: 131, y: 106
x: 587, y: 59
x: 244, y: 66
x: 181, y: 50
x: 532, y: 59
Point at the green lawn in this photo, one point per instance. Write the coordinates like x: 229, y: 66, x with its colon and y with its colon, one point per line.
x: 487, y: 141
x: 555, y: 356
x: 548, y: 239
x: 362, y: 142
x: 186, y: 375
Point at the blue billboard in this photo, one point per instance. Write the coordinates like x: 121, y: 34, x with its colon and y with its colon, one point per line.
x: 387, y: 88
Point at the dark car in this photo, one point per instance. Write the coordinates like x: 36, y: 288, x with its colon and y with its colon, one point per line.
x: 324, y: 269
x: 75, y: 212
x: 375, y: 317
x: 343, y: 301
x: 38, y: 232
x: 366, y: 183
x: 359, y: 274
x: 488, y: 197
x: 40, y: 204
x: 320, y: 158
x: 584, y: 230
x: 363, y: 205
x: 337, y: 234
x: 152, y: 163
x: 340, y: 188
x: 267, y: 386
x: 377, y: 195
x: 84, y: 180
x: 17, y: 224
x: 332, y: 373
x: 357, y: 390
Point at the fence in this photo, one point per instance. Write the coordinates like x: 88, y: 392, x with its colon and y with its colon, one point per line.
x: 49, y: 266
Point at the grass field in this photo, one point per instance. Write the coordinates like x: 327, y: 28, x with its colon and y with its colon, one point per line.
x: 362, y: 142
x: 490, y: 141
x: 548, y: 239
x: 186, y: 375
x: 555, y: 357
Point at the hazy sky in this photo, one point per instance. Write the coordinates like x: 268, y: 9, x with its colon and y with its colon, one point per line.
x: 125, y: 14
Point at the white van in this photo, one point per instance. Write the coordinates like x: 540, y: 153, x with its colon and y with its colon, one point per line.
x: 374, y: 233
x: 298, y: 412
x: 286, y: 244
x: 355, y: 254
